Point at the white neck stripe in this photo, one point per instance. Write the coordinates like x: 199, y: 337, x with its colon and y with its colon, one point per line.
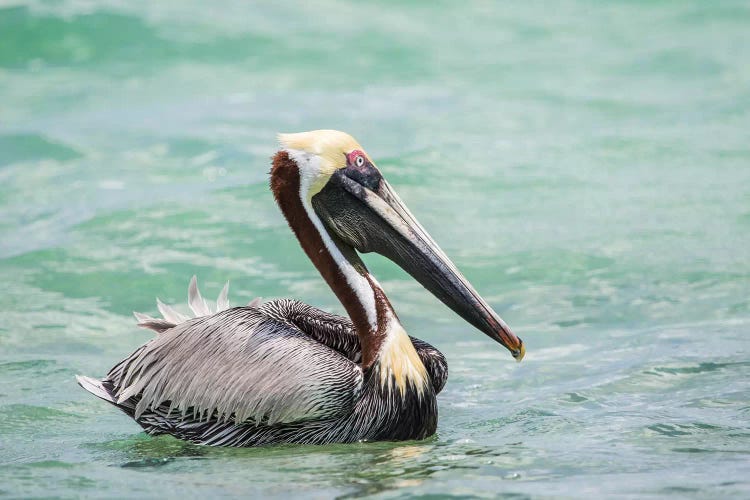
x: 309, y: 172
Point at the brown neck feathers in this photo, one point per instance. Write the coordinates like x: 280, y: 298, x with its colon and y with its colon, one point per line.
x: 285, y: 185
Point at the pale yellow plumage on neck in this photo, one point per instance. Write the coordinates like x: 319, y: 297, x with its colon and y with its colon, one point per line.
x: 399, y: 361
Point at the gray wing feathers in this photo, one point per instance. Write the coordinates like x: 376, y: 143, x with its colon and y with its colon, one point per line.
x: 241, y: 365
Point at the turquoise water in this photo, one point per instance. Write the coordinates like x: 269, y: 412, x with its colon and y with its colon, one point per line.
x: 586, y: 164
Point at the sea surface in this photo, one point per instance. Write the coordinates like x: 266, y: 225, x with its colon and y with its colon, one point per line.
x: 586, y: 165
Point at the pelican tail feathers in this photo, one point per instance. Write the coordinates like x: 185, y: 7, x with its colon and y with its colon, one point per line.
x: 199, y: 306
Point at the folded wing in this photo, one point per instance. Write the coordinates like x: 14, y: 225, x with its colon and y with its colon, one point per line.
x: 238, y: 365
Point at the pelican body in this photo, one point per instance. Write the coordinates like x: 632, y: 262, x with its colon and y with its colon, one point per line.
x: 286, y: 372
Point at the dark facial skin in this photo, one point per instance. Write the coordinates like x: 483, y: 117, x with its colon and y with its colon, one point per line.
x: 360, y: 169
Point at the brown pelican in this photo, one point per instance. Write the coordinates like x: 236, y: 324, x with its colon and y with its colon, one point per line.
x: 283, y: 371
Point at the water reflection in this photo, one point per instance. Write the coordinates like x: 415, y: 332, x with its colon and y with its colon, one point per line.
x: 353, y: 470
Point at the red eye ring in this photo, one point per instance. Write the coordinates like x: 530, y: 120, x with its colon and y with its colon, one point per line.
x: 357, y: 158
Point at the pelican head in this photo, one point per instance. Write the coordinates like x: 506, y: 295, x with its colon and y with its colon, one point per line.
x: 360, y: 211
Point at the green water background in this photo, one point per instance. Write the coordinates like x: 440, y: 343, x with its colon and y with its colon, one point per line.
x: 586, y: 164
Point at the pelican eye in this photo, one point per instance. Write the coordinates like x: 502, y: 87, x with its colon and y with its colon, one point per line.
x: 361, y: 170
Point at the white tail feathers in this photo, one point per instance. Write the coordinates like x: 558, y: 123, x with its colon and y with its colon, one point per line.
x: 222, y: 302
x: 198, y: 305
x: 95, y: 387
x: 142, y: 318
x: 170, y: 314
